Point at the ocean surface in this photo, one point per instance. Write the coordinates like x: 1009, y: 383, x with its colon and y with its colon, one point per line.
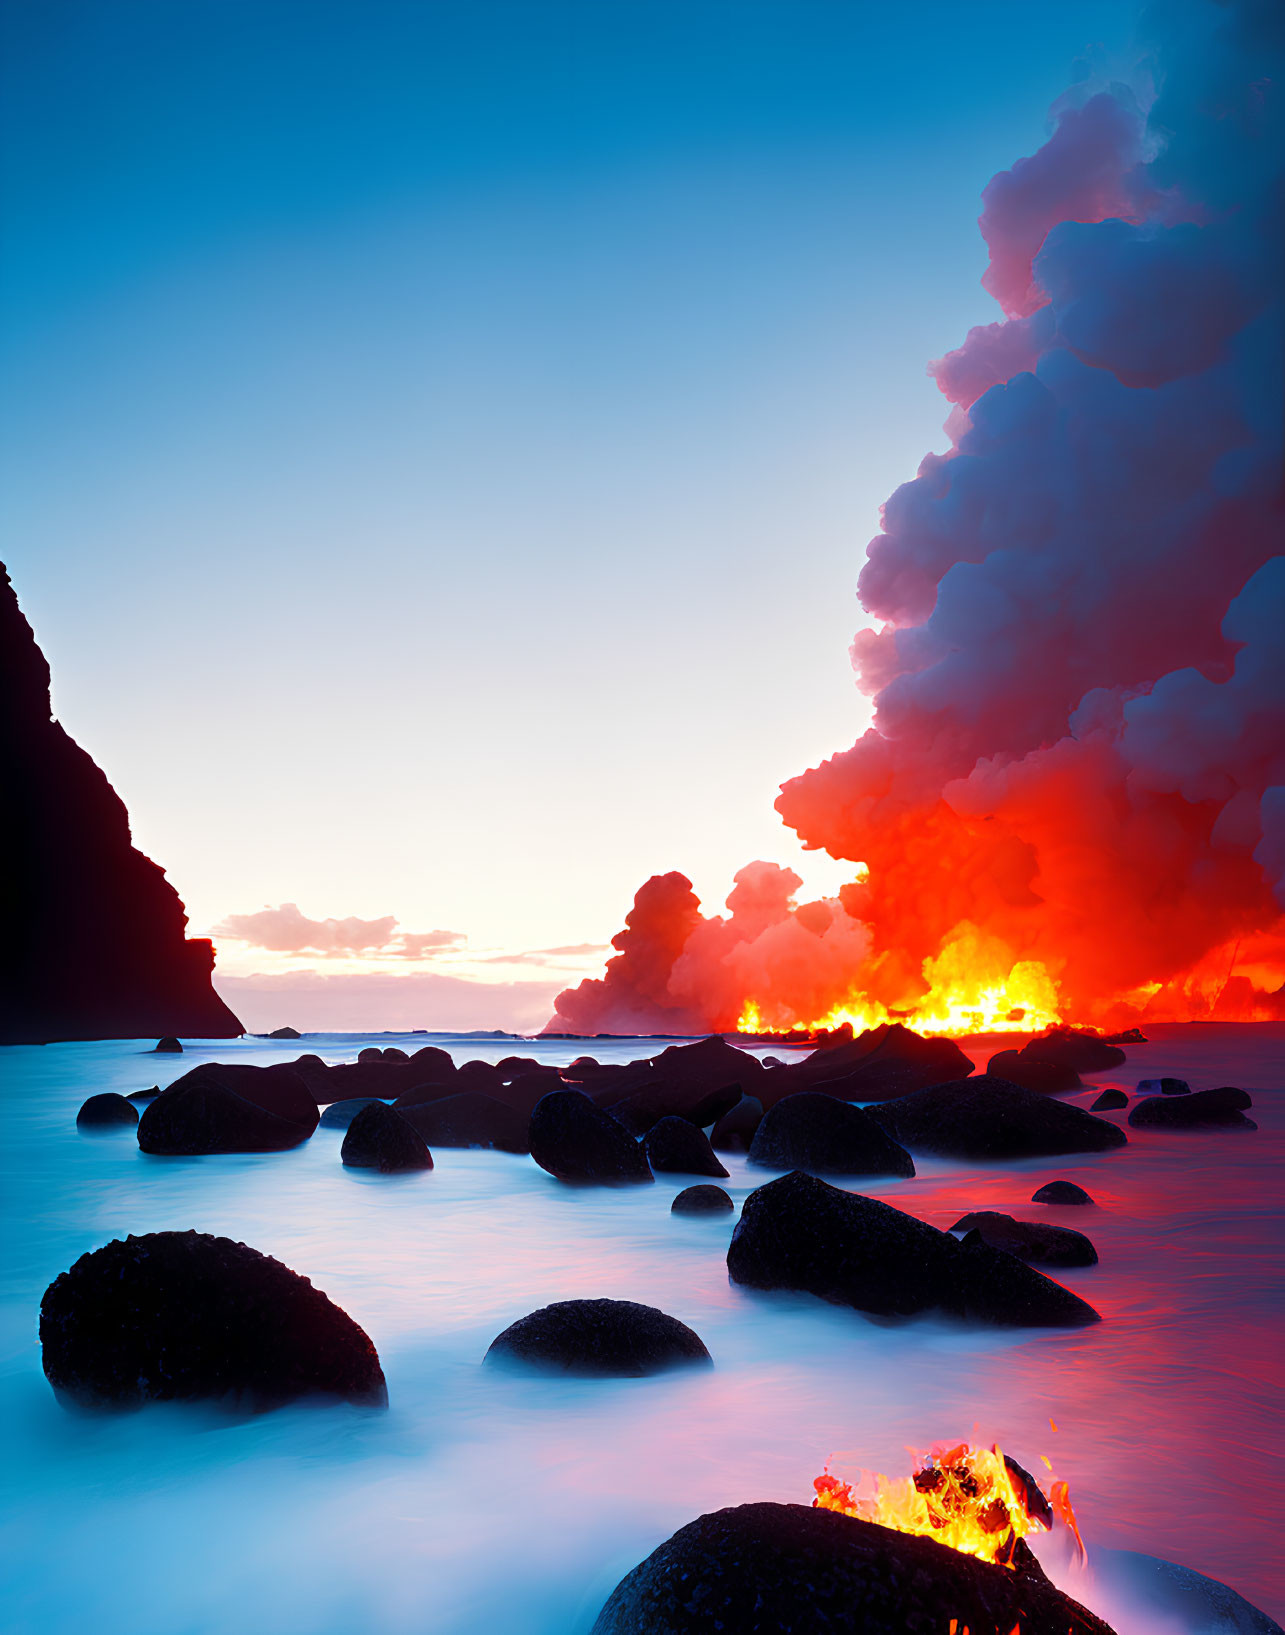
x: 484, y: 1500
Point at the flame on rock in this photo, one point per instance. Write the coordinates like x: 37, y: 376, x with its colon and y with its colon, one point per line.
x: 974, y: 985
x: 967, y: 1498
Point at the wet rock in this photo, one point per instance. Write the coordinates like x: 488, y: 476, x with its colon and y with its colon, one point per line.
x: 278, y: 1089
x: 204, y: 1116
x: 816, y: 1133
x: 613, y: 1337
x: 340, y: 1114
x: 433, y: 1063
x: 394, y: 1053
x: 1163, y: 1087
x: 285, y: 1033
x: 176, y: 1316
x: 317, y: 1076
x: 169, y: 1046
x: 1129, y: 1036
x: 383, y: 1080
x: 380, y: 1138
x: 675, y: 1147
x: 482, y: 1077
x: 1033, y: 1241
x: 643, y: 1109
x: 709, y: 1064
x: 1033, y: 1072
x: 469, y: 1120
x: 1222, y: 1108
x: 735, y: 1130
x: 702, y: 1200
x: 371, y: 1053
x: 879, y: 1064
x: 142, y: 1097
x: 577, y: 1141
x: 1110, y: 1101
x: 513, y: 1067
x: 986, y: 1118
x: 1060, y: 1192
x: 525, y: 1092
x: 1081, y: 1052
x: 794, y: 1570
x: 800, y: 1233
x: 107, y: 1112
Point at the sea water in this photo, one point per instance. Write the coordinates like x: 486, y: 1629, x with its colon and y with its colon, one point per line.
x: 488, y: 1500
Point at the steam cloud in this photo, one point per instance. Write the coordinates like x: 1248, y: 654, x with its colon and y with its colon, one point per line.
x: 1078, y: 750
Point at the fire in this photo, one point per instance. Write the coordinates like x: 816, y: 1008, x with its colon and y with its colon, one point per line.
x: 974, y: 985
x: 967, y: 1498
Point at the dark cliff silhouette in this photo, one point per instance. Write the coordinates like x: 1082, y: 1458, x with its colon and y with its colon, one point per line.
x: 92, y: 941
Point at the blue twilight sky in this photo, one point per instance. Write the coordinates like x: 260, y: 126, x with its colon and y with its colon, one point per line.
x: 440, y: 439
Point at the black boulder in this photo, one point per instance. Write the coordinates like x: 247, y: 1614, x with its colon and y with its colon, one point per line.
x: 340, y: 1114
x: 1081, y: 1052
x: 1033, y: 1241
x: 207, y: 1118
x: 1033, y: 1072
x: 107, y: 1112
x: 1163, y: 1087
x: 702, y: 1200
x: 816, y: 1133
x: 469, y: 1120
x: 577, y: 1141
x: 613, y: 1337
x: 984, y: 1118
x: 675, y: 1147
x: 1223, y: 1108
x: 1110, y: 1101
x: 734, y: 1132
x: 380, y: 1138
x: 175, y: 1316
x: 168, y: 1046
x: 1060, y: 1192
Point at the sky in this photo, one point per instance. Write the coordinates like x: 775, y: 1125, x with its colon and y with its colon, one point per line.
x: 440, y: 441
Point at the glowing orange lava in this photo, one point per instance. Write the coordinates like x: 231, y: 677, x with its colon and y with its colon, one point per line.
x: 967, y: 1498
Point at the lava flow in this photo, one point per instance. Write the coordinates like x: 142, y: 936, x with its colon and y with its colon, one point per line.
x: 972, y: 1499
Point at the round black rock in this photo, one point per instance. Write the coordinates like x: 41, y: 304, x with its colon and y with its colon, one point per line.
x: 379, y: 1138
x: 1033, y: 1241
x: 702, y: 1200
x: 340, y: 1114
x: 469, y: 1120
x: 578, y: 1141
x: 1221, y: 1108
x: 1163, y: 1087
x: 794, y: 1570
x: 734, y: 1132
x: 613, y: 1337
x: 107, y: 1112
x: 1033, y: 1072
x: 1110, y: 1101
x: 1060, y: 1192
x: 178, y: 1316
x: 1082, y: 1052
x: 814, y: 1132
x: 675, y: 1147
x: 169, y: 1046
x: 192, y: 1119
x: 983, y: 1118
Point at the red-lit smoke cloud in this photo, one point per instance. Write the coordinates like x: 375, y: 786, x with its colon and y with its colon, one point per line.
x: 1077, y: 667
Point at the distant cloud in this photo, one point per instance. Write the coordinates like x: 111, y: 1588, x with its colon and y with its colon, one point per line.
x: 316, y: 1001
x: 545, y: 956
x: 287, y: 930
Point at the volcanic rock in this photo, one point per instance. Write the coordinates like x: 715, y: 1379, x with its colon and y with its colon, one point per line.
x: 106, y: 1112
x: 702, y: 1200
x: 1163, y: 1087
x: 285, y: 1033
x: 794, y: 1570
x: 985, y: 1118
x: 482, y: 1077
x: 380, y: 1138
x: 1201, y: 1107
x: 320, y: 1079
x: 169, y: 1046
x: 735, y: 1130
x: 576, y: 1141
x: 1081, y: 1052
x: 340, y: 1114
x: 1110, y: 1101
x: 278, y: 1089
x: 709, y: 1064
x: 144, y: 1096
x: 385, y: 1081
x: 525, y: 1092
x: 469, y: 1120
x: 800, y: 1233
x: 644, y: 1108
x: 881, y: 1063
x: 816, y: 1133
x: 204, y: 1116
x: 1060, y: 1192
x: 371, y: 1053
x: 174, y: 1316
x: 675, y: 1147
x: 433, y: 1063
x: 615, y: 1337
x: 1033, y: 1072
x: 1033, y: 1241
x: 394, y: 1053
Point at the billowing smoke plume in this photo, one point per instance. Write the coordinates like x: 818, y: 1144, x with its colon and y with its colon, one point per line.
x: 1077, y: 763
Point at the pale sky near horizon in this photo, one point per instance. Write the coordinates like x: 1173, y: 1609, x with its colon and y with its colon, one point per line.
x: 440, y: 441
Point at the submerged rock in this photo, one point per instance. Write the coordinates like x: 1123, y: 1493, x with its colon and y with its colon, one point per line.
x: 1033, y: 1241
x: 702, y: 1200
x: 1222, y: 1107
x: 616, y: 1337
x: 107, y: 1111
x: 735, y: 1130
x: 1163, y: 1087
x: 1060, y: 1192
x: 675, y: 1147
x: 469, y: 1120
x: 790, y: 1569
x: 1110, y: 1101
x: 800, y: 1233
x: 176, y: 1316
x: 816, y: 1133
x: 577, y: 1141
x: 380, y: 1138
x: 985, y: 1118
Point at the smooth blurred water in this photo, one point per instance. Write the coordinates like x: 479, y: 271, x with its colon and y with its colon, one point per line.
x: 488, y: 1500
